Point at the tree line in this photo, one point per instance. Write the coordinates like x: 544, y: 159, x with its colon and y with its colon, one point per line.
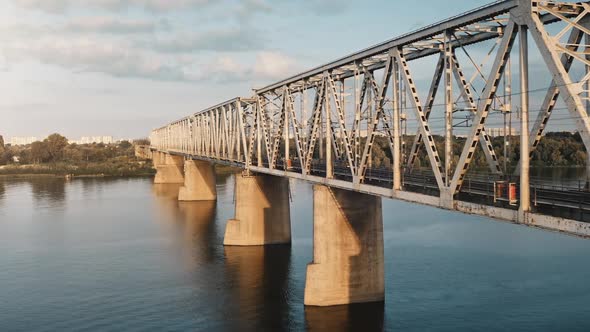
x: 556, y: 149
x: 56, y: 155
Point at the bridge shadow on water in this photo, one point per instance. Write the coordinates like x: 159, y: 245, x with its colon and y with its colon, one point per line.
x: 355, y: 317
x: 199, y: 230
x: 195, y: 232
x: 259, y: 280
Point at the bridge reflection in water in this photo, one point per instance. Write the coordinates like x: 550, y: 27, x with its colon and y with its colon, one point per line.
x: 353, y: 317
x: 257, y: 279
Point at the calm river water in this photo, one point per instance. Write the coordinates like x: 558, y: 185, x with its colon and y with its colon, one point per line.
x: 124, y: 255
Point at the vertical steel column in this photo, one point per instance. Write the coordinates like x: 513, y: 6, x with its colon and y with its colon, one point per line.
x: 525, y: 199
x: 287, y: 106
x: 587, y: 85
x: 355, y: 132
x: 329, y: 165
x: 321, y: 129
x: 370, y: 104
x: 238, y: 129
x: 259, y: 131
x: 507, y: 110
x: 396, y: 128
x: 448, y: 106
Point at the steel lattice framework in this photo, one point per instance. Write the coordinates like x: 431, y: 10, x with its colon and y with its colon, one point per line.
x: 321, y: 125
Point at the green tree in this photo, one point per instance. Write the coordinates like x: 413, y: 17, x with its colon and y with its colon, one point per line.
x: 56, y: 144
x: 125, y: 145
x: 73, y: 153
x: 6, y: 157
x: 141, y: 141
x: 39, y: 152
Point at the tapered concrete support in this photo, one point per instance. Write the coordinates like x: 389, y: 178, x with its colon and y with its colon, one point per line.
x: 262, y: 213
x: 199, y: 182
x: 347, y: 249
x: 170, y: 171
x: 156, y: 159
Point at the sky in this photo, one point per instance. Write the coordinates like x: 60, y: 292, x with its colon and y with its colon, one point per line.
x: 124, y: 67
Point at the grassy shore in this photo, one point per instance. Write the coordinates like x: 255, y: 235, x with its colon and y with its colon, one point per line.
x: 112, y: 167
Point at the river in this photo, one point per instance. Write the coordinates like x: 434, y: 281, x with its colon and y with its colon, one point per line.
x: 123, y: 254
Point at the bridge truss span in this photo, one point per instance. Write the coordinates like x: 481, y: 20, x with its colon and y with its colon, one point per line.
x: 324, y: 125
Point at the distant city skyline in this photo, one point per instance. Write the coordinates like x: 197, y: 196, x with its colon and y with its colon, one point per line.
x: 22, y: 140
x: 93, y: 139
x: 106, y: 139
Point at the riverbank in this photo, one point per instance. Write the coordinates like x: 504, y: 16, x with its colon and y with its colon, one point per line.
x: 138, y: 168
x: 109, y: 168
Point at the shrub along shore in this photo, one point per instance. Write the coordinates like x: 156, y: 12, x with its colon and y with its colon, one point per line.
x: 55, y: 157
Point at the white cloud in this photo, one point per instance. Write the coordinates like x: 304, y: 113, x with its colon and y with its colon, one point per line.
x: 248, y: 8
x: 146, y: 45
x: 274, y: 65
x: 112, y: 25
x: 125, y: 58
x: 88, y: 55
x: 224, y: 39
x: 106, y: 25
x: 267, y: 66
x: 57, y: 6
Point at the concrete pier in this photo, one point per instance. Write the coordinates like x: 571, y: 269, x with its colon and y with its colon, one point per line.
x: 169, y: 169
x: 157, y: 158
x: 199, y: 182
x: 262, y: 213
x: 347, y: 262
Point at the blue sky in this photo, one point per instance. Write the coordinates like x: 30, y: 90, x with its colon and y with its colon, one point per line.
x: 123, y: 67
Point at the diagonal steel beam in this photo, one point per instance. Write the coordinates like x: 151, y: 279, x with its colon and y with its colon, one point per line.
x: 263, y: 118
x: 483, y: 110
x: 550, y: 98
x: 242, y: 125
x: 484, y: 139
x: 296, y: 132
x: 429, y: 143
x: 317, y: 114
x: 570, y: 90
x: 341, y: 122
x: 380, y: 92
x: 354, y: 136
x: 277, y: 141
x: 434, y: 85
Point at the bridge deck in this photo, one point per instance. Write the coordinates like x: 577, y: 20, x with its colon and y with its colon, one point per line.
x: 560, y: 201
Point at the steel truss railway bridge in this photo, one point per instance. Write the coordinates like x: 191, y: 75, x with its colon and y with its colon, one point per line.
x: 322, y: 125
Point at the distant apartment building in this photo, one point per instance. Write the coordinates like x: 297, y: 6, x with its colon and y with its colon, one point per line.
x: 497, y: 132
x: 96, y: 139
x: 24, y: 140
